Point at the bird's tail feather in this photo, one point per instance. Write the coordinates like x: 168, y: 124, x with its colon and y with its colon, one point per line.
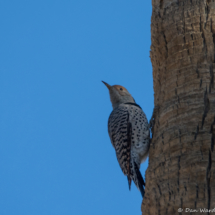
x: 140, y: 181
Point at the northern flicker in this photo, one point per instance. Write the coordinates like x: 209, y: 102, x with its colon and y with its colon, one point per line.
x: 128, y: 129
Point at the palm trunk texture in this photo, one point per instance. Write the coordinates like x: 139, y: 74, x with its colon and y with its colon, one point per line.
x: 181, y: 171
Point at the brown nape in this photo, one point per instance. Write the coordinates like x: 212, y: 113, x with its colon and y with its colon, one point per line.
x: 119, y: 87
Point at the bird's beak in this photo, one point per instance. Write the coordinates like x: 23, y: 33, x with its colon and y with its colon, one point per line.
x: 107, y: 85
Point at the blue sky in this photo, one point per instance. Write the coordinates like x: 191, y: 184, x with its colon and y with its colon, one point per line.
x: 56, y: 156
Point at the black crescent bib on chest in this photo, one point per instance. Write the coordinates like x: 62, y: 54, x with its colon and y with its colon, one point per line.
x: 130, y: 103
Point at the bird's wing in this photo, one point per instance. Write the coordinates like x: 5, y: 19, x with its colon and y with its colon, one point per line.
x: 120, y: 131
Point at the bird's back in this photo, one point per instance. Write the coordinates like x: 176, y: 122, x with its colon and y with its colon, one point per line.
x: 129, y: 133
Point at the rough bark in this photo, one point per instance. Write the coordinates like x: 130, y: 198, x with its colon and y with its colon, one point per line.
x: 181, y: 171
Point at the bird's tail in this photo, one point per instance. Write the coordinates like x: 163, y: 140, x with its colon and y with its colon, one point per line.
x: 139, y: 182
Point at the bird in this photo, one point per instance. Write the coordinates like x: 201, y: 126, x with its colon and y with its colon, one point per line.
x: 129, y: 133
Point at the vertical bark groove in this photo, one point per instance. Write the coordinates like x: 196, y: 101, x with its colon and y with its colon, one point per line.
x: 207, y: 106
x: 212, y: 135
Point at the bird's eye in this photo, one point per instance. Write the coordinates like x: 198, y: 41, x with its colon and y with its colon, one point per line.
x: 120, y: 88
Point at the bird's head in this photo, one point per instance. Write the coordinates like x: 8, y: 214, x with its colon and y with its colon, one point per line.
x: 118, y: 94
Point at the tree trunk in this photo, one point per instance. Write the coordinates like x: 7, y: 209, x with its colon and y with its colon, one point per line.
x: 181, y: 171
